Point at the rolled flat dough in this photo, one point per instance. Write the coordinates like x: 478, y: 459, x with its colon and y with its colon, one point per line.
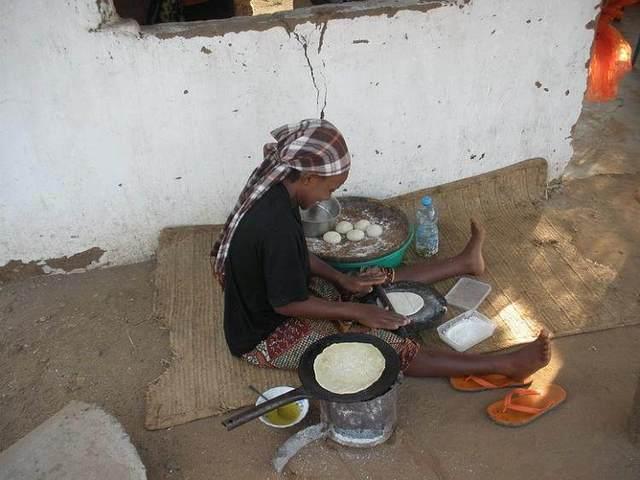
x: 348, y: 367
x: 406, y: 303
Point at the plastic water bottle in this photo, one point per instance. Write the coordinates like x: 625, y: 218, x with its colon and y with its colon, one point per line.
x: 427, y: 229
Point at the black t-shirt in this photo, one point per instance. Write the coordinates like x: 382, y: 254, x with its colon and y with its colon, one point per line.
x: 267, y: 267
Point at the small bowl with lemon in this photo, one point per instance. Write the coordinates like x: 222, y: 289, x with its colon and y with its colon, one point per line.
x: 286, y: 415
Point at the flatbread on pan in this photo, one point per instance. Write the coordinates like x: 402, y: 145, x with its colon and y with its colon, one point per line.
x: 348, y: 367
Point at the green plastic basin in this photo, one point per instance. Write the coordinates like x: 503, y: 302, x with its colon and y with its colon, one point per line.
x: 392, y: 259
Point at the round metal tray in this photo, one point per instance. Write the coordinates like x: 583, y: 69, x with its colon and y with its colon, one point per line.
x: 395, y: 233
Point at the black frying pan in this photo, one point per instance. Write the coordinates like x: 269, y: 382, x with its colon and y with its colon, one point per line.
x: 311, y: 388
x: 435, y: 305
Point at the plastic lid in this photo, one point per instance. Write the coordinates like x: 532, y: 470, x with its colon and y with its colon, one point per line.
x: 426, y: 201
x: 468, y: 293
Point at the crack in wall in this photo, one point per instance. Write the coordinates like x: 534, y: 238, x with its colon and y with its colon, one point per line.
x: 305, y: 47
x: 324, y: 104
x: 323, y: 29
x: 304, y: 43
x: 286, y: 26
x: 321, y: 41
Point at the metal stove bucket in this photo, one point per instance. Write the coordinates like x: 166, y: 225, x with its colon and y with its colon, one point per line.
x: 361, y: 424
x: 358, y: 424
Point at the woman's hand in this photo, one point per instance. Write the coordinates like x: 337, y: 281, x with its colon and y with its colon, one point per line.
x: 375, y: 317
x: 369, y: 315
x: 362, y: 283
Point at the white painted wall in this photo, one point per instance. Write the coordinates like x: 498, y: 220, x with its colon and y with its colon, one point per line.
x: 95, y: 127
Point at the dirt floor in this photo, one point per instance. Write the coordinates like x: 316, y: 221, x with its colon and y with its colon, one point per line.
x: 92, y: 337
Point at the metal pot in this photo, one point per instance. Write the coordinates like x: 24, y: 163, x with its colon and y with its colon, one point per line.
x: 361, y: 424
x: 320, y: 218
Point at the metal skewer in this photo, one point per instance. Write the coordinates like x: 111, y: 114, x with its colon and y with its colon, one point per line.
x: 254, y: 389
x: 258, y: 392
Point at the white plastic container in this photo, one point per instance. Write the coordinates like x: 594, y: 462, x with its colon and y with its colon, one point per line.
x: 466, y: 330
x: 468, y: 294
x: 303, y: 406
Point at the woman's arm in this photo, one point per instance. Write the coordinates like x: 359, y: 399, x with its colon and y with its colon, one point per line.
x: 319, y: 309
x: 353, y: 284
x: 322, y: 269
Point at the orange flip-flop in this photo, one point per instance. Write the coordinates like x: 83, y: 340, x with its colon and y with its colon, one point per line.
x: 521, y: 406
x: 473, y: 383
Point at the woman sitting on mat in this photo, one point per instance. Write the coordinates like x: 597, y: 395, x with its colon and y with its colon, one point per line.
x: 279, y: 298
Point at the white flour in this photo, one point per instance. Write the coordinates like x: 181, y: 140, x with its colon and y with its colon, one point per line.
x: 365, y: 248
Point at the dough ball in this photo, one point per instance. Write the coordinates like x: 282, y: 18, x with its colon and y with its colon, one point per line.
x: 355, y: 235
x: 344, y: 227
x: 332, y: 237
x: 362, y: 224
x: 374, y: 231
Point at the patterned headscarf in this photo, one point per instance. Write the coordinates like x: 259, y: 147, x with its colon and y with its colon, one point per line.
x: 311, y: 146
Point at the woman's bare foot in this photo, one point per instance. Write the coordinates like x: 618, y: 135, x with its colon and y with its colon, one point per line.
x: 472, y: 252
x: 529, y: 359
x: 467, y: 262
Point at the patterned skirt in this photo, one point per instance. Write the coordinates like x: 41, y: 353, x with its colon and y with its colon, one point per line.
x: 284, y: 347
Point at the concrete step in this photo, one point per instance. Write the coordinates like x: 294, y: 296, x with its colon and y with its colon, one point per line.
x: 80, y: 442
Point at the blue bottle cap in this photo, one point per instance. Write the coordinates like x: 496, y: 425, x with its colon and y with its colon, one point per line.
x: 426, y: 201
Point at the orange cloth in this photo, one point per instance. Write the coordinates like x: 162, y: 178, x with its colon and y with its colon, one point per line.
x: 611, y: 54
